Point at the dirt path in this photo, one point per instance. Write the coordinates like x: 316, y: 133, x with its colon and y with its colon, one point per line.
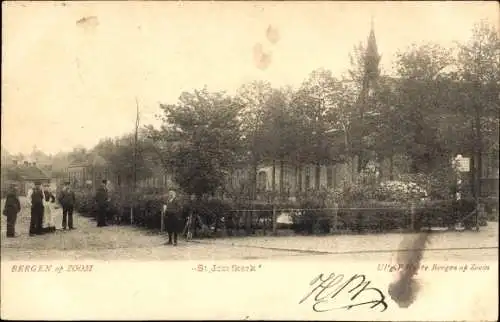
x: 129, y: 243
x: 111, y: 243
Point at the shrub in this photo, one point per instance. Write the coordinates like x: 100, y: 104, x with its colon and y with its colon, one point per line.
x: 84, y: 203
x: 353, y: 193
x: 312, y: 219
x: 491, y: 208
x: 446, y: 213
x: 374, y: 215
x: 213, y: 213
x: 147, y: 211
x: 399, y: 191
x: 439, y: 184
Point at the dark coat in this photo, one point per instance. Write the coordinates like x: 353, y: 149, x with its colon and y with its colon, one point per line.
x: 173, y: 217
x: 67, y: 198
x: 12, y: 205
x: 37, y: 198
x: 101, y: 197
x: 48, y: 196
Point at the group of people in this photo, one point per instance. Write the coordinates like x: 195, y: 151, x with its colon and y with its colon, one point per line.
x: 42, y: 203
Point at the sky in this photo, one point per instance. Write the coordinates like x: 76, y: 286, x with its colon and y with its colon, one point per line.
x: 71, y: 72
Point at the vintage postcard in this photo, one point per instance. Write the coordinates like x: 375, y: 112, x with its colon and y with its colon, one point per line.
x: 288, y: 160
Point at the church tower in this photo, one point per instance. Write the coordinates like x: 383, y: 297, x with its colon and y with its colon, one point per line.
x: 371, y: 73
x: 372, y: 60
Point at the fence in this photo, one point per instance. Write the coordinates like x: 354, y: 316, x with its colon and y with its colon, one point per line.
x: 222, y: 217
x: 335, y: 220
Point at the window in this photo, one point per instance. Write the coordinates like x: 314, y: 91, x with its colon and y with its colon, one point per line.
x: 317, y: 177
x: 261, y: 181
x: 308, y: 178
x: 299, y: 178
x: 329, y: 176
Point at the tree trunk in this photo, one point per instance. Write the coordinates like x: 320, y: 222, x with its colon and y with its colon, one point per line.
x: 391, y: 167
x: 334, y: 174
x: 247, y: 221
x: 254, y: 179
x: 282, y: 174
x: 317, y: 176
x: 273, y: 180
x: 299, y: 186
x: 296, y: 180
x: 479, y: 151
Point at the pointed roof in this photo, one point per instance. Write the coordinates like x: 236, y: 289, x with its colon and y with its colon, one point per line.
x: 371, y: 48
x: 372, y: 57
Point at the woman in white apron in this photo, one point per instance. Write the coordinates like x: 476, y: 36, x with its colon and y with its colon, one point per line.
x: 48, y: 210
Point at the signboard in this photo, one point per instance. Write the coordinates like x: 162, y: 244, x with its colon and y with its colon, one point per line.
x: 462, y: 164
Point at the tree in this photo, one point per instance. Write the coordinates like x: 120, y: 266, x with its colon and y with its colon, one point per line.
x: 313, y: 105
x: 422, y: 70
x: 321, y: 111
x: 277, y: 139
x: 119, y: 153
x: 79, y: 154
x: 205, y: 129
x: 252, y: 97
x: 479, y: 71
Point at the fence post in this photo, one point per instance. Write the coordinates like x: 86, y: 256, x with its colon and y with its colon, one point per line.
x: 479, y: 213
x: 412, y: 216
x: 162, y: 219
x: 248, y: 221
x: 132, y: 215
x: 335, y: 217
x: 274, y: 219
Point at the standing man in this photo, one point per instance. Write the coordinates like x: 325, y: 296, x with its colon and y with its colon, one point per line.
x: 101, y: 199
x: 35, y: 200
x: 67, y: 200
x: 11, y: 209
x: 171, y: 210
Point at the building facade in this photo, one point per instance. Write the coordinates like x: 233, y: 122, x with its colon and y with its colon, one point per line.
x: 23, y: 175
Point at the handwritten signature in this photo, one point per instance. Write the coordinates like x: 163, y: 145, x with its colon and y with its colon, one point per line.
x: 326, y: 289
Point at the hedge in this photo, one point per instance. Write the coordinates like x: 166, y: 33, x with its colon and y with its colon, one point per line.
x: 217, y: 216
x: 312, y: 219
x: 373, y: 216
x: 447, y: 213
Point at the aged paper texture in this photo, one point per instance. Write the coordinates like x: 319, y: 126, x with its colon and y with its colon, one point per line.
x: 250, y: 160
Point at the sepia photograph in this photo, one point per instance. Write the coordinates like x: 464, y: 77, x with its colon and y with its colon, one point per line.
x: 257, y: 160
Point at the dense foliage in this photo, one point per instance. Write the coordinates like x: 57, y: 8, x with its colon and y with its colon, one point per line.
x: 440, y: 103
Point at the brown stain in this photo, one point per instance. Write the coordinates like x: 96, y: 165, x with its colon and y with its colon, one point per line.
x: 272, y: 34
x: 88, y: 22
x: 404, y: 290
x: 261, y: 58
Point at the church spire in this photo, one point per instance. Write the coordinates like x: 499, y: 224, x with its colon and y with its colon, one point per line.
x: 372, y: 58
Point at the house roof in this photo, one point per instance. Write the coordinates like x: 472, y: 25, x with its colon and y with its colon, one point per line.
x: 27, y: 173
x: 92, y: 160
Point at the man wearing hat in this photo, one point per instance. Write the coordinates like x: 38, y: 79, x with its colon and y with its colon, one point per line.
x: 172, y: 213
x: 11, y: 208
x: 101, y: 199
x: 67, y: 200
x: 35, y: 200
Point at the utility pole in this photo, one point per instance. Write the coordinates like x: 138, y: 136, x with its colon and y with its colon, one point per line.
x: 136, y: 134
